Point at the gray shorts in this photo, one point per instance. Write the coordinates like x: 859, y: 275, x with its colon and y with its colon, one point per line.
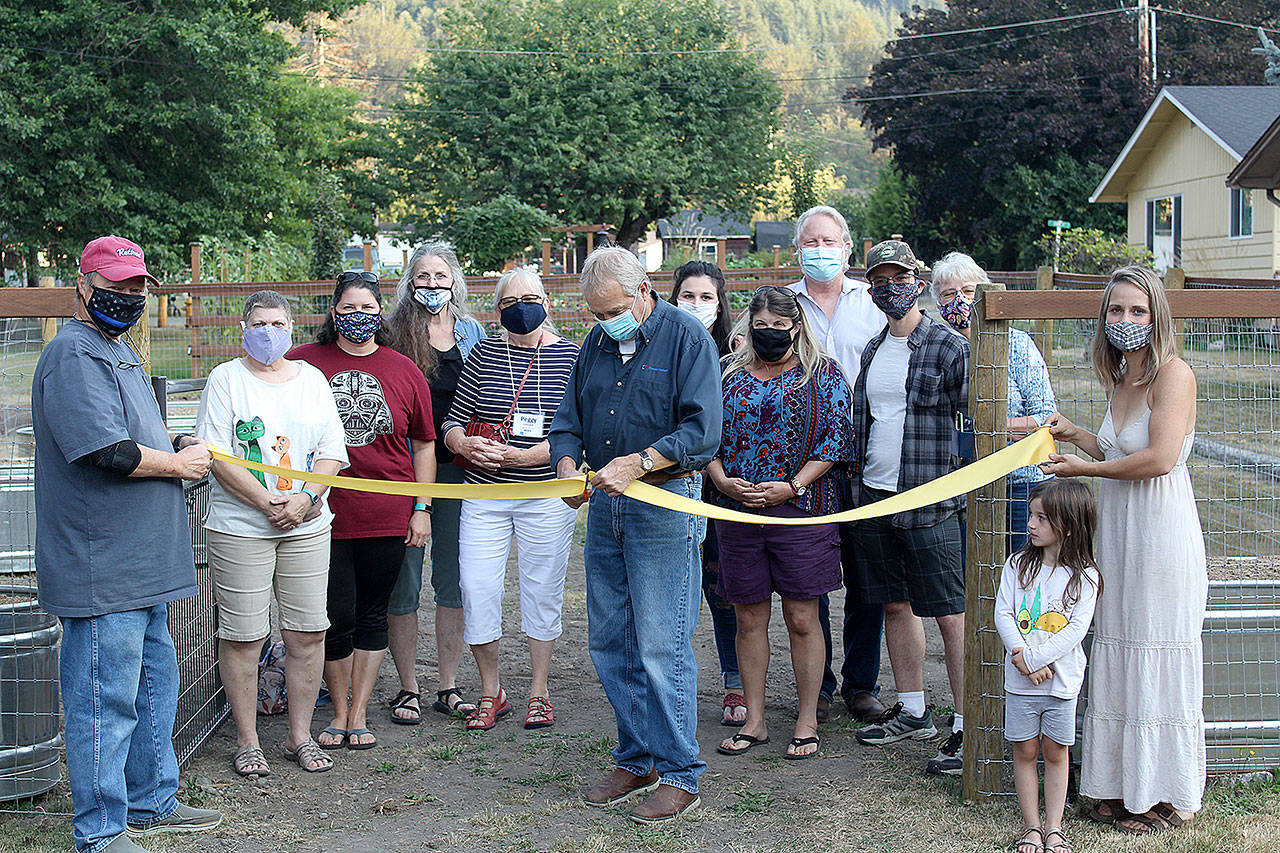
x: 1025, y: 717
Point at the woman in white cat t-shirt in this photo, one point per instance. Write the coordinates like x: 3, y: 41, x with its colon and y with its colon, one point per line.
x: 270, y: 533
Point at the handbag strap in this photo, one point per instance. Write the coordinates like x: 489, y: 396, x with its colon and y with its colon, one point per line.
x: 511, y: 411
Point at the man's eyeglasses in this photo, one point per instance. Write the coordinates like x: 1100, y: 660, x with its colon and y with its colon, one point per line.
x: 357, y: 275
x: 527, y: 299
x: 885, y: 281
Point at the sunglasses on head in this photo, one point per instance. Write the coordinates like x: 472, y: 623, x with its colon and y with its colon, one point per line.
x: 357, y: 275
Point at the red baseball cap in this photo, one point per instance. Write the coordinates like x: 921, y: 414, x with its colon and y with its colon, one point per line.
x: 115, y: 259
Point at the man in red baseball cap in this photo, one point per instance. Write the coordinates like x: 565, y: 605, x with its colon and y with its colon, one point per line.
x: 101, y: 447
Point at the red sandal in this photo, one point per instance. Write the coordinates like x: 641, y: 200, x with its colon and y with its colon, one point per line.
x: 732, y: 700
x: 540, y: 714
x: 487, y: 712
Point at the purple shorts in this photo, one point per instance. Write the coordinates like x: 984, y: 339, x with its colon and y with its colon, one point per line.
x: 757, y: 560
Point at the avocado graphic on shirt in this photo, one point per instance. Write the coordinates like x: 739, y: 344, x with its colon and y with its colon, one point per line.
x: 248, y: 433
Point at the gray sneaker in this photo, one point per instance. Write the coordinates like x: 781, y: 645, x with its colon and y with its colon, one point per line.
x: 122, y: 843
x: 897, y: 725
x: 950, y: 758
x: 182, y: 819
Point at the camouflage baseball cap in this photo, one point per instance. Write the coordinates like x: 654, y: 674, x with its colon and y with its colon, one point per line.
x: 893, y: 252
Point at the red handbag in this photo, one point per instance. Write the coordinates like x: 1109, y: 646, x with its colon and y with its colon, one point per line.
x: 500, y: 433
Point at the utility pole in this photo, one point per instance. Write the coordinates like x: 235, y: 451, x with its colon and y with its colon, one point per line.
x: 1147, y: 41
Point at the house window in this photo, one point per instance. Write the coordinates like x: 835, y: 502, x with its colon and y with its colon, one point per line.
x: 1164, y: 231
x: 1241, y: 213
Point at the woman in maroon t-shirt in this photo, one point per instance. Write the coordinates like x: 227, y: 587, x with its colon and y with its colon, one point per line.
x: 385, y: 405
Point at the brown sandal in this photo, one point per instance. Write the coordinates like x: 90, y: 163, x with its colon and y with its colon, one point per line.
x: 1117, y: 812
x: 1160, y: 818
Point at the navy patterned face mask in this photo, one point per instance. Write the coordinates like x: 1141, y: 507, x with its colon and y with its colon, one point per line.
x: 113, y: 313
x: 357, y: 326
x: 896, y: 299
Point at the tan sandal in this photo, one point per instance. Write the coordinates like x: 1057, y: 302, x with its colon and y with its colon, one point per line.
x: 249, y: 757
x: 309, y: 756
x: 1063, y: 846
x: 1024, y: 844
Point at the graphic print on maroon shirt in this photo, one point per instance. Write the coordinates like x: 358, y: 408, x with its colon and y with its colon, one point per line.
x: 383, y: 401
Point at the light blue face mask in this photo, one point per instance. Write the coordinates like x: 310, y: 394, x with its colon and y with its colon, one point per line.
x: 624, y: 326
x: 823, y: 263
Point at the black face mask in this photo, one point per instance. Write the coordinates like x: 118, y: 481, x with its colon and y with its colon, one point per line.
x: 771, y: 345
x: 113, y: 313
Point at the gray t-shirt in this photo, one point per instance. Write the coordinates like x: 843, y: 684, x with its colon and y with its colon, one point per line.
x: 105, y: 543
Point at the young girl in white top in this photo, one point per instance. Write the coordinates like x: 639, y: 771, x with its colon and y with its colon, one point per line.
x: 1043, y: 610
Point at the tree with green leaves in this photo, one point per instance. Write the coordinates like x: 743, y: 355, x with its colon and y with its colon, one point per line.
x: 165, y: 125
x: 490, y: 234
x: 613, y: 111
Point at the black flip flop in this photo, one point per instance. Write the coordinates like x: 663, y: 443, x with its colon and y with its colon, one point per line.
x: 355, y: 744
x: 740, y: 737
x: 401, y: 702
x: 341, y: 735
x: 802, y: 741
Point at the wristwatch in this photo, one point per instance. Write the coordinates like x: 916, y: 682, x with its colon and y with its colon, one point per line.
x: 646, y: 461
x: 422, y: 506
x: 800, y: 490
x: 315, y: 499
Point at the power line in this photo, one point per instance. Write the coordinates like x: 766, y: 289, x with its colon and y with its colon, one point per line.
x: 1222, y: 21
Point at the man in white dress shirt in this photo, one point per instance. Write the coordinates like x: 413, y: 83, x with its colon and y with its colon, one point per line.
x: 841, y: 314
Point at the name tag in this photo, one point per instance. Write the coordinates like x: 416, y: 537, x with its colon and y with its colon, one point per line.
x: 527, y: 424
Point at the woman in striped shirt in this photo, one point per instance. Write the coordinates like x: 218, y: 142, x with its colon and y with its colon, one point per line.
x: 514, y: 382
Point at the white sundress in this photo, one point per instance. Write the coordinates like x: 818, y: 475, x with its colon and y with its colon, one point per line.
x: 1144, y: 725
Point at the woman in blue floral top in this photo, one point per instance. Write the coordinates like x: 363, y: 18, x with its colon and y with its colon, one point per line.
x: 786, y: 429
x: 955, y: 283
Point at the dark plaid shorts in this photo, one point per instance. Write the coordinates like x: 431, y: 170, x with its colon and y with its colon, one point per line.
x: 921, y: 565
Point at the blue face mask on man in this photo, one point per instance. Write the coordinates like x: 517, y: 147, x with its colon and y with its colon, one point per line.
x: 624, y: 326
x: 823, y: 263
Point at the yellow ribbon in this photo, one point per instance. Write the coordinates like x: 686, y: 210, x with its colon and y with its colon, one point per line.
x: 1031, y: 450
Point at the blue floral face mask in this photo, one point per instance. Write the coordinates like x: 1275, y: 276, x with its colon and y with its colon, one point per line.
x: 434, y: 299
x: 357, y: 326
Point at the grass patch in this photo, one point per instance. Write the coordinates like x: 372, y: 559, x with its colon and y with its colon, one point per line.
x: 750, y: 802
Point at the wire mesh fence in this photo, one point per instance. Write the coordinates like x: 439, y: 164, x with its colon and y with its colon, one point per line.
x: 1235, y: 472
x: 32, y: 767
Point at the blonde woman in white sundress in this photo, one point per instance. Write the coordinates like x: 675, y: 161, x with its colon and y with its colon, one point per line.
x: 1143, y: 754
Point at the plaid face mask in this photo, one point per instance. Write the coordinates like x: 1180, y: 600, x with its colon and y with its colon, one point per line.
x: 1128, y: 336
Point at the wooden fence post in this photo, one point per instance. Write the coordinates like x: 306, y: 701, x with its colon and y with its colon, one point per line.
x: 721, y: 252
x: 546, y: 256
x: 866, y: 250
x: 1176, y: 279
x: 142, y: 338
x: 162, y: 306
x: 1044, y: 328
x: 368, y: 256
x: 48, y: 325
x: 777, y: 256
x: 985, y: 517
x: 193, y: 311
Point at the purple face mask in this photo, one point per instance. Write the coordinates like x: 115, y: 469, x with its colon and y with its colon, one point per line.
x: 266, y: 344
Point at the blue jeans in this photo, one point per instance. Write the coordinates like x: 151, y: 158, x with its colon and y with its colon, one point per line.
x: 862, y: 633
x: 643, y: 576
x: 724, y: 619
x: 1017, y: 514
x: 119, y: 698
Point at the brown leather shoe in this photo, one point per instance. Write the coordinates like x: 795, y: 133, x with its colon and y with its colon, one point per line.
x: 667, y: 803
x: 864, y: 707
x: 618, y: 787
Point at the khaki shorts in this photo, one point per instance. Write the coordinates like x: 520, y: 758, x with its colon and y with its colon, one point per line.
x: 246, y: 570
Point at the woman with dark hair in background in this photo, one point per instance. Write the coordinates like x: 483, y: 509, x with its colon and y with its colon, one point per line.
x: 699, y: 288
x: 385, y: 406
x: 432, y: 326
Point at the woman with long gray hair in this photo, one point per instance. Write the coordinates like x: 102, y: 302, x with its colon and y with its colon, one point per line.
x: 432, y: 326
x: 786, y: 428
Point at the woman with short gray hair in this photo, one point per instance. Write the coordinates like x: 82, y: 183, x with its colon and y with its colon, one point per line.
x: 268, y: 533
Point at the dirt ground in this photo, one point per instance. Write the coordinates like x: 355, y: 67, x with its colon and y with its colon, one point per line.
x: 437, y: 787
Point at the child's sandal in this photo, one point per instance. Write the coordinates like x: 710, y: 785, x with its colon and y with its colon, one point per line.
x: 1061, y: 846
x: 1025, y: 844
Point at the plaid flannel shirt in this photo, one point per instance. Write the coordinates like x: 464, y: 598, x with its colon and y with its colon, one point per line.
x: 937, y: 388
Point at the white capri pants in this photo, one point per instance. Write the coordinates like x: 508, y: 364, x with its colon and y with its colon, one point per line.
x: 543, y: 528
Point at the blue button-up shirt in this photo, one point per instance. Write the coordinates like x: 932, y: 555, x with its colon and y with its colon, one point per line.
x: 667, y: 396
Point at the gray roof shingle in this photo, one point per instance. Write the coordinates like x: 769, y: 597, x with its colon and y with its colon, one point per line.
x: 1238, y: 115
